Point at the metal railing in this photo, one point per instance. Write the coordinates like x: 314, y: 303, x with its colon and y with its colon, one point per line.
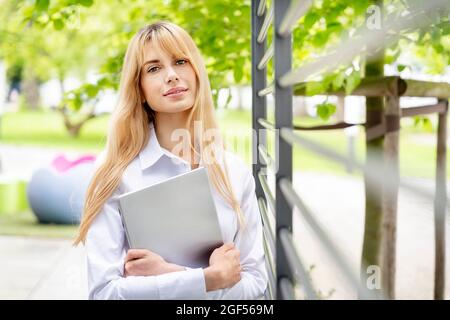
x: 286, y: 267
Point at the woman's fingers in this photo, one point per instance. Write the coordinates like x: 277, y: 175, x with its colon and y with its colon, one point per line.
x: 136, y: 254
x: 227, y: 246
x: 129, y: 268
x: 234, y: 253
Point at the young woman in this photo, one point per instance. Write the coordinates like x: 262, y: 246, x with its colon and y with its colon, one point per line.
x: 164, y: 88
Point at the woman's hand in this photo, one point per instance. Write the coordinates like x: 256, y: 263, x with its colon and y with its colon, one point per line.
x: 142, y: 262
x: 224, y: 269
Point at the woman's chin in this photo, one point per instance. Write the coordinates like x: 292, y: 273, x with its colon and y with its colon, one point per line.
x: 175, y: 109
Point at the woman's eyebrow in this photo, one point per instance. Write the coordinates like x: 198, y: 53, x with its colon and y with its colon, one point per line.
x: 151, y: 61
x: 154, y: 61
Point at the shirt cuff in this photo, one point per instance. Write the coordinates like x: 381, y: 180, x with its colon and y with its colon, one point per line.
x: 186, y: 285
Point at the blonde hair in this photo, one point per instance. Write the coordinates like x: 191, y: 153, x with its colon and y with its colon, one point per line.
x: 129, y: 127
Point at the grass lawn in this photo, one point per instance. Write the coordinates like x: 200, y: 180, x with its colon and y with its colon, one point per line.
x: 417, y: 148
x: 46, y: 129
x: 25, y: 224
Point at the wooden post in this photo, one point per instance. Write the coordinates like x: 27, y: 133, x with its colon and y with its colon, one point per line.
x: 440, y: 203
x: 390, y: 195
x: 340, y: 110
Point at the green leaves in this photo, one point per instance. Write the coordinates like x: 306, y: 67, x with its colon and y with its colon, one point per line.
x: 320, y: 39
x: 435, y: 35
x: 335, y: 82
x: 352, y: 81
x: 75, y: 99
x: 401, y: 67
x: 391, y: 56
x: 221, y: 29
x: 59, y: 14
x: 360, y: 6
x: 338, y: 81
x: 310, y: 19
x: 86, y: 3
x: 42, y: 5
x: 239, y: 69
x: 58, y: 24
x: 325, y: 110
x: 445, y: 28
x: 334, y: 26
x: 91, y: 90
x: 424, y: 123
x: 315, y: 87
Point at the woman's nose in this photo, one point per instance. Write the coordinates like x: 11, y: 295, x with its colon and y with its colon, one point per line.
x: 171, y: 75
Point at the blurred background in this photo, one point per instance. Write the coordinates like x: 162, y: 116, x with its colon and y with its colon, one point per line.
x: 60, y: 63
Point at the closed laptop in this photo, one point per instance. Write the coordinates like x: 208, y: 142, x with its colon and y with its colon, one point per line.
x: 176, y: 219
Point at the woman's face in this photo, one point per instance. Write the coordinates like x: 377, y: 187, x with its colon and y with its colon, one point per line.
x: 162, y: 73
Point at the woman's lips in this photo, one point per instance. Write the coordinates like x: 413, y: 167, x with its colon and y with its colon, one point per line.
x: 175, y: 95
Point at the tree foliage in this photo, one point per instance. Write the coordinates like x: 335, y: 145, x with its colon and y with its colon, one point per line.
x: 71, y: 37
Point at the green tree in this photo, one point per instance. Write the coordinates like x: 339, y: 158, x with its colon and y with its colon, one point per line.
x: 221, y: 28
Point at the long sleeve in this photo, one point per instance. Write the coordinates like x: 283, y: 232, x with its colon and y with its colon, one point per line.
x: 106, y: 251
x: 249, y: 241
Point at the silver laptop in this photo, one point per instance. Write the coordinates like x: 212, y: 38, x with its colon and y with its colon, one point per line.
x: 176, y: 219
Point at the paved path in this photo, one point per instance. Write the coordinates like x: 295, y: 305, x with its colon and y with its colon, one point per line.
x: 37, y: 268
x: 34, y: 268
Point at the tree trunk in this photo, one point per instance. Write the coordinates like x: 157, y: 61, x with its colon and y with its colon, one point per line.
x: 73, y: 128
x: 61, y: 86
x: 31, y: 92
x: 229, y: 96
x: 374, y: 158
x: 390, y: 195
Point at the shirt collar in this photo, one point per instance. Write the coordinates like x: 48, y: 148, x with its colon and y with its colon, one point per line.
x: 153, y: 151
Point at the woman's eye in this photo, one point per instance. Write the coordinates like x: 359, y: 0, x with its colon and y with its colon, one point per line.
x: 178, y: 62
x: 151, y: 69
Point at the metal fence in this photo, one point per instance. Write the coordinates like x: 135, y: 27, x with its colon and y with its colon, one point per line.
x: 286, y: 268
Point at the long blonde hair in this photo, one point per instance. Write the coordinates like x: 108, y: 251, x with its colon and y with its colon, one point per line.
x: 129, y: 127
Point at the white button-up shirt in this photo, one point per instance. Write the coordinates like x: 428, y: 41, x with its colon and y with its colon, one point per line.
x: 106, y: 243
